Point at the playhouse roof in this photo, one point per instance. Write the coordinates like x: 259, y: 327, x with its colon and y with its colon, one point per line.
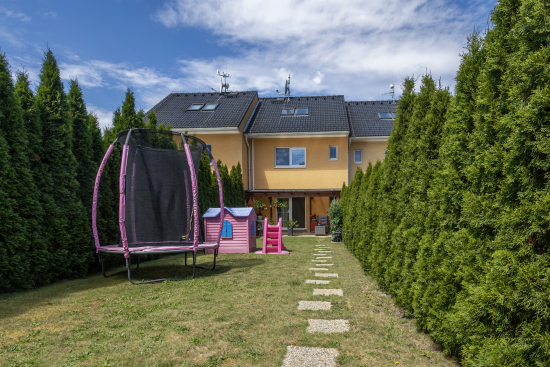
x: 236, y: 212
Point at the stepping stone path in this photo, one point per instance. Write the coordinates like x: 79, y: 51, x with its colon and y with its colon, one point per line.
x: 314, y: 305
x: 328, y: 292
x: 327, y: 326
x: 311, y: 356
x: 306, y: 356
x: 315, y: 281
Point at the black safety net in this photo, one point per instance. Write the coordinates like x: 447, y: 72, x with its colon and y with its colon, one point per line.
x: 158, y: 190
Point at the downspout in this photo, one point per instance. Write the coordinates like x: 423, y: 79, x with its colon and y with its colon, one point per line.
x: 349, y: 152
x: 248, y: 153
x: 253, y: 182
x: 248, y: 146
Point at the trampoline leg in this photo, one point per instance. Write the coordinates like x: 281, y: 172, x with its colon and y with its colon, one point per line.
x: 202, y: 267
x: 102, y: 265
x: 129, y: 266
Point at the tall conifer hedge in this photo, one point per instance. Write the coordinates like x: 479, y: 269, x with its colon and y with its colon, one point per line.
x: 455, y: 222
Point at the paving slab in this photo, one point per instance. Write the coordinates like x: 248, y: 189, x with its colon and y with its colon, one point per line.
x: 328, y: 292
x: 318, y: 268
x: 324, y: 264
x: 324, y: 257
x: 327, y: 326
x: 327, y: 275
x: 320, y: 261
x: 314, y: 305
x: 310, y: 357
x: 316, y: 281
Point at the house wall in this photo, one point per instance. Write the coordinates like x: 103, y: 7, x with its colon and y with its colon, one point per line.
x: 320, y: 173
x: 241, y: 242
x: 372, y: 151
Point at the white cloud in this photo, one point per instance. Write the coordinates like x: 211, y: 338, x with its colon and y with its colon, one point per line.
x: 355, y: 46
x: 104, y: 116
x: 50, y: 14
x: 10, y: 38
x: 14, y: 14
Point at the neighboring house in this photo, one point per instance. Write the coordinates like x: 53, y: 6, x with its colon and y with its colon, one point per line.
x: 295, y: 149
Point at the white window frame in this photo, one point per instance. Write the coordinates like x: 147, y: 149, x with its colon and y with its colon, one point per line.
x: 332, y: 159
x: 290, y: 157
x: 355, y: 161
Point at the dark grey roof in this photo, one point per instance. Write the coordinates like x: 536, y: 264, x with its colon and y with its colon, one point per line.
x: 325, y: 114
x: 364, y: 118
x: 229, y: 113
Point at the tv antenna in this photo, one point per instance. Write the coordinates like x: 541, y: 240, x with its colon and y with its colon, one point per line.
x: 224, y: 85
x: 287, y: 88
x: 392, y: 91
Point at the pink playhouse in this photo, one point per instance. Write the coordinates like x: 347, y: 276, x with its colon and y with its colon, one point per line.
x: 239, y: 229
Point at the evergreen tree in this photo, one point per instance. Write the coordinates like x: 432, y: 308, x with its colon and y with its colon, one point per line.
x: 70, y: 250
x: 40, y: 258
x: 238, y: 186
x: 82, y: 146
x: 24, y: 243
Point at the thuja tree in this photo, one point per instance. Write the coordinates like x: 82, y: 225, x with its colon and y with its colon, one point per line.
x: 23, y: 245
x: 69, y: 245
x: 82, y: 145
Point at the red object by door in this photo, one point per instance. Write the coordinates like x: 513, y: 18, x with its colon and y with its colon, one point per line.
x: 312, y: 226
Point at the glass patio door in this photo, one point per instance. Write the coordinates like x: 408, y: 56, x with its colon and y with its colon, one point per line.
x: 283, y: 212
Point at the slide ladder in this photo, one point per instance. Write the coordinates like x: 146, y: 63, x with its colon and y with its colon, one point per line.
x: 273, y: 239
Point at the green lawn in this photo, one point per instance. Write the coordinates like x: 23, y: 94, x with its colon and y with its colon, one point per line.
x: 242, y: 314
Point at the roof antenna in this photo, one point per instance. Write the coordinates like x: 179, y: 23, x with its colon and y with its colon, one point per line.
x: 392, y: 92
x: 224, y: 85
x: 287, y: 88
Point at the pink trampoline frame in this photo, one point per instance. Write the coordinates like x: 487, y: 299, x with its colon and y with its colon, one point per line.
x: 125, y: 249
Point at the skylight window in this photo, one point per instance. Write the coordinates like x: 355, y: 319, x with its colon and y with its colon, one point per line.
x: 288, y: 111
x: 195, y: 107
x: 301, y: 111
x: 210, y: 107
x: 385, y: 115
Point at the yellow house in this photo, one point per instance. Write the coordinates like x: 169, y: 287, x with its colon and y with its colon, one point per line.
x: 298, y: 150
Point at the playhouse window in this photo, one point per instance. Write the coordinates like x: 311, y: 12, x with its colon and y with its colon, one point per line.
x: 227, y: 230
x: 252, y: 228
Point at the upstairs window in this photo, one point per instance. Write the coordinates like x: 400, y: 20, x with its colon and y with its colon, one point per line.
x: 290, y: 157
x: 301, y: 111
x: 210, y: 107
x: 195, y: 107
x: 358, y: 157
x: 332, y: 153
x: 288, y: 111
x: 227, y: 230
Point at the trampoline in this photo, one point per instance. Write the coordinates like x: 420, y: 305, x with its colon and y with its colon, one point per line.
x: 158, y: 201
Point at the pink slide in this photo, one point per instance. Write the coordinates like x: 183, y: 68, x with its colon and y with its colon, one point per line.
x: 273, y: 239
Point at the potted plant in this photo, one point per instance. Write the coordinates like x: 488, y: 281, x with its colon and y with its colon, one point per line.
x: 313, y: 221
x: 279, y: 203
x: 335, y: 214
x: 259, y: 206
x: 291, y: 224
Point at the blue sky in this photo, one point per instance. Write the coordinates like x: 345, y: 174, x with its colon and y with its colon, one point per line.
x: 349, y: 47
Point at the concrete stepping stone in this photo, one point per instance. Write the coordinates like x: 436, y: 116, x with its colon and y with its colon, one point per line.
x: 318, y: 268
x: 324, y: 264
x: 327, y: 326
x: 314, y: 305
x: 323, y: 251
x: 315, y: 281
x: 328, y: 292
x: 308, y: 356
x: 326, y: 275
x: 325, y: 257
x: 320, y: 261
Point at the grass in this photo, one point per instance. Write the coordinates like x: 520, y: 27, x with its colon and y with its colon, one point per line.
x: 242, y: 314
